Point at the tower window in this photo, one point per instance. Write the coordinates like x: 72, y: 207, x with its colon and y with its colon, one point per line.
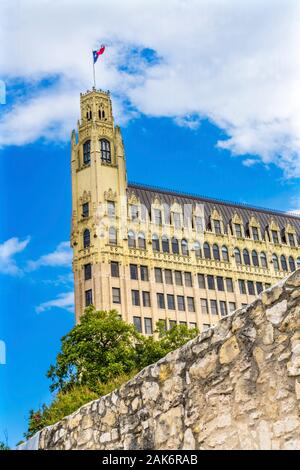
x: 112, y: 236
x: 85, y: 209
x: 131, y: 239
x: 86, y: 238
x: 105, y: 151
x: 87, y: 152
x: 87, y: 271
x: 292, y: 264
x: 88, y: 297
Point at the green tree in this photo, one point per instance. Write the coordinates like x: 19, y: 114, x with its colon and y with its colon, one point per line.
x: 101, y: 347
x: 3, y: 446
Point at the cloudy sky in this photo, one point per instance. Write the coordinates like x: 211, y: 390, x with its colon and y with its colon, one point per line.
x: 208, y: 91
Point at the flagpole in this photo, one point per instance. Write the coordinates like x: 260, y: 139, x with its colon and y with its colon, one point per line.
x: 94, y: 73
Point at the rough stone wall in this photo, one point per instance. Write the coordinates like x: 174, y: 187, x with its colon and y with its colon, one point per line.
x: 236, y: 386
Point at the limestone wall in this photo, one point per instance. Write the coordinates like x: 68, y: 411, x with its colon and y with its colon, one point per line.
x: 236, y: 386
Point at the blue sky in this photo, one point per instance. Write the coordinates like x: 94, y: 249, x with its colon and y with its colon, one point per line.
x: 208, y: 117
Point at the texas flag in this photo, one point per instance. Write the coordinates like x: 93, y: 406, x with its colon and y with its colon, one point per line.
x: 97, y: 53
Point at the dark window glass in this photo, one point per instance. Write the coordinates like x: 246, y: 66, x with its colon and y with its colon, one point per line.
x: 223, y: 308
x: 292, y: 264
x: 242, y: 286
x: 225, y: 254
x: 255, y: 233
x: 213, y: 307
x: 188, y: 279
x: 86, y: 238
x: 114, y: 269
x: 116, y: 295
x: 283, y: 263
x: 275, y: 236
x: 275, y: 262
x: 216, y: 252
x: 144, y: 273
x: 251, y: 290
x: 87, y: 152
x: 168, y: 276
x: 85, y: 209
x: 158, y: 275
x: 160, y: 300
x: 259, y: 287
x: 105, y: 151
x: 201, y: 281
x: 238, y: 230
x: 135, y: 296
x: 191, y: 304
x: 155, y: 243
x: 148, y: 326
x: 138, y: 324
x: 229, y: 284
x: 220, y: 283
x: 146, y: 299
x: 180, y: 303
x: 246, y: 257
x: 141, y: 241
x: 133, y: 271
x: 178, y: 278
x: 206, y: 249
x: 211, y: 282
x: 255, y: 258
x: 291, y: 239
x: 217, y: 225
x: 204, y: 306
x: 88, y: 297
x: 171, y: 301
x: 165, y: 245
x: 175, y: 246
x: 112, y: 236
x: 237, y: 256
x: 263, y: 260
x: 87, y: 271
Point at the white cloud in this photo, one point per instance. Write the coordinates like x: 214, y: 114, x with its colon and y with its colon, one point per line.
x: 236, y: 63
x: 250, y: 162
x: 64, y: 301
x: 8, y: 250
x: 61, y: 256
x: 295, y: 206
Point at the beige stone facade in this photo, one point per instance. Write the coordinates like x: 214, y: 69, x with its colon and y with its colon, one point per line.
x: 155, y: 254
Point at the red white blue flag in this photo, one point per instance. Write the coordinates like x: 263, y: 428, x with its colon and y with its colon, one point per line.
x: 97, y: 53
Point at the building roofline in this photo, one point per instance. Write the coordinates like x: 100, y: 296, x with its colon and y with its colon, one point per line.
x: 173, y: 192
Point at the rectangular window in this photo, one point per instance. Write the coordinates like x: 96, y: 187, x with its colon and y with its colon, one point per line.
x: 191, y: 304
x: 242, y: 286
x: 138, y: 324
x: 157, y: 217
x: 85, y: 209
x: 275, y: 236
x: 134, y: 212
x: 182, y: 323
x: 211, y: 282
x: 168, y: 276
x: 144, y: 273
x: 259, y: 287
x: 87, y: 271
x: 146, y: 299
x: 251, y: 290
x: 111, y: 209
x: 232, y: 307
x: 171, y: 301
x: 217, y: 225
x: 199, y: 225
x: 204, y: 306
x: 178, y: 278
x: 172, y: 323
x: 238, y: 230
x: 220, y: 283
x: 160, y: 300
x: 176, y: 219
x: 158, y: 275
x: 133, y: 271
x: 114, y: 269
x: 267, y: 286
x: 291, y: 239
x: 148, y: 326
x: 180, y: 303
x: 135, y: 296
x: 164, y: 323
x: 206, y: 326
x: 223, y: 308
x: 88, y: 297
x: 213, y: 307
x: 116, y: 295
x: 188, y: 279
x: 255, y: 233
x: 201, y: 281
x: 229, y: 284
x: 193, y: 325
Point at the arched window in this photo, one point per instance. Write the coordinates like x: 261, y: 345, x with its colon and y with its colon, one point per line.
x: 237, y: 256
x: 141, y: 241
x: 263, y: 260
x: 105, y: 150
x: 131, y: 239
x: 165, y: 244
x: 89, y: 115
x: 155, y: 242
x: 246, y: 257
x: 225, y: 255
x: 86, y: 238
x: 275, y: 262
x: 292, y: 264
x: 255, y: 261
x: 184, y: 247
x: 298, y: 263
x: 175, y: 246
x: 216, y: 252
x: 87, y: 152
x: 197, y: 249
x: 283, y: 263
x: 112, y: 236
x: 206, y: 249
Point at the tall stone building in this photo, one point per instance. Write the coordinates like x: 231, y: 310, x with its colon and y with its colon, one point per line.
x: 155, y: 254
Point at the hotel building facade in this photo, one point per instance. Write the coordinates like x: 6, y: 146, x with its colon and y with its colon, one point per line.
x: 154, y: 254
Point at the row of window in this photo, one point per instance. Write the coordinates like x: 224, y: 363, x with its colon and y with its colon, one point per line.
x: 148, y: 328
x: 105, y: 151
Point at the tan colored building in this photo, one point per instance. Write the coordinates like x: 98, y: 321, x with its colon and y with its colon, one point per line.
x: 155, y: 254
